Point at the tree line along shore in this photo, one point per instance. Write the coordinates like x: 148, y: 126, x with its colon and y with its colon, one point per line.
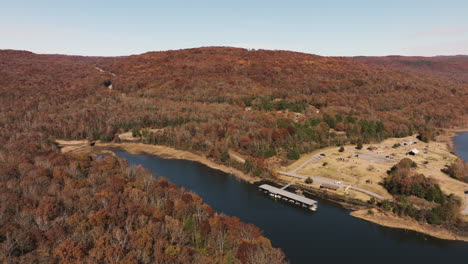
x: 391, y: 212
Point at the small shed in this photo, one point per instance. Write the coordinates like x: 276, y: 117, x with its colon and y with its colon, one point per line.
x: 413, y: 152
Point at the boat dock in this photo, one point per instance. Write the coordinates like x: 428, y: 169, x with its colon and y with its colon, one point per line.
x: 289, y: 196
x: 287, y: 185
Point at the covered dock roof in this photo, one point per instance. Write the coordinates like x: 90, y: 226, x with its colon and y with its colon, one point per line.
x: 287, y: 194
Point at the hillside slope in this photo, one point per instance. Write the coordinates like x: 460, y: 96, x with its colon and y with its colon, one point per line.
x: 451, y: 68
x: 210, y: 74
x: 268, y: 106
x: 260, y: 103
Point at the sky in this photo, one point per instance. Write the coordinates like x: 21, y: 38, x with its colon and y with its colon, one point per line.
x: 326, y: 27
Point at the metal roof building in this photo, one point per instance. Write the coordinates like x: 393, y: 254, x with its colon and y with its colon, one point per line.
x: 287, y: 194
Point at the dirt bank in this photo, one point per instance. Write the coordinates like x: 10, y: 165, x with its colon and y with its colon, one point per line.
x: 447, y: 137
x: 390, y: 220
x: 171, y: 153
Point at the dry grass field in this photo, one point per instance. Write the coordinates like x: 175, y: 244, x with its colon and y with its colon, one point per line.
x: 367, y: 168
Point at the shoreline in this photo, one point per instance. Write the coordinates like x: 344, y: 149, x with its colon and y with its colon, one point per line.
x: 406, y: 223
x: 389, y: 220
x: 345, y: 202
x: 171, y: 153
x: 377, y: 218
x: 448, y: 136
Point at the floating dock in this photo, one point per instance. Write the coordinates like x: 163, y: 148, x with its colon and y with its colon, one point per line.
x: 289, y: 196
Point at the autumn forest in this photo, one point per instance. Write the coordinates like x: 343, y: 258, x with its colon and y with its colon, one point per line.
x: 269, y: 106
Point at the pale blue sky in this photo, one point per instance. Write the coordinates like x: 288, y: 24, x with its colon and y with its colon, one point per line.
x: 326, y: 27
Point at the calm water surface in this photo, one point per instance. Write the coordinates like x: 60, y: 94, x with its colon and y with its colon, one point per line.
x: 329, y: 235
x: 461, y: 145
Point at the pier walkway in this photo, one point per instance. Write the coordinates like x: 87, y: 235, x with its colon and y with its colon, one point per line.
x: 289, y: 196
x: 287, y: 185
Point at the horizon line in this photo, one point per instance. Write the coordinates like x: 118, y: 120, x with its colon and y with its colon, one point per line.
x: 233, y: 47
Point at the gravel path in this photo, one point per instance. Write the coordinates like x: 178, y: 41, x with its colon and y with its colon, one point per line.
x: 323, y: 180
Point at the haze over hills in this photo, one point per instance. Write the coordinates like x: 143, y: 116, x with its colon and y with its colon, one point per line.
x: 452, y: 68
x: 269, y: 106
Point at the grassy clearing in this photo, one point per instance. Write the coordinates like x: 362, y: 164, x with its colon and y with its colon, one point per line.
x: 369, y: 169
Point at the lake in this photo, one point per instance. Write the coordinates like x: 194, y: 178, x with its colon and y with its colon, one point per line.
x: 329, y: 235
x: 461, y: 145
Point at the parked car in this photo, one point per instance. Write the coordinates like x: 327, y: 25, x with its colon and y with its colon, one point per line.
x: 337, y: 182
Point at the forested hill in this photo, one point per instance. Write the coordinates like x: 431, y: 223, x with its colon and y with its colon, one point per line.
x: 450, y: 68
x: 222, y: 74
x: 332, y: 84
x: 261, y: 103
x: 74, y: 208
x: 270, y: 106
x: 66, y: 96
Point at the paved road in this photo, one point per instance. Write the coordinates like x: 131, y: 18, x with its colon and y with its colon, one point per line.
x: 373, y: 157
x: 322, y: 180
x: 314, y: 158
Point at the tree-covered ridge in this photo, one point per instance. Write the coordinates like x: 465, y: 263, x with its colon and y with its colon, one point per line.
x: 227, y: 74
x: 75, y: 209
x: 453, y: 68
x: 212, y: 99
